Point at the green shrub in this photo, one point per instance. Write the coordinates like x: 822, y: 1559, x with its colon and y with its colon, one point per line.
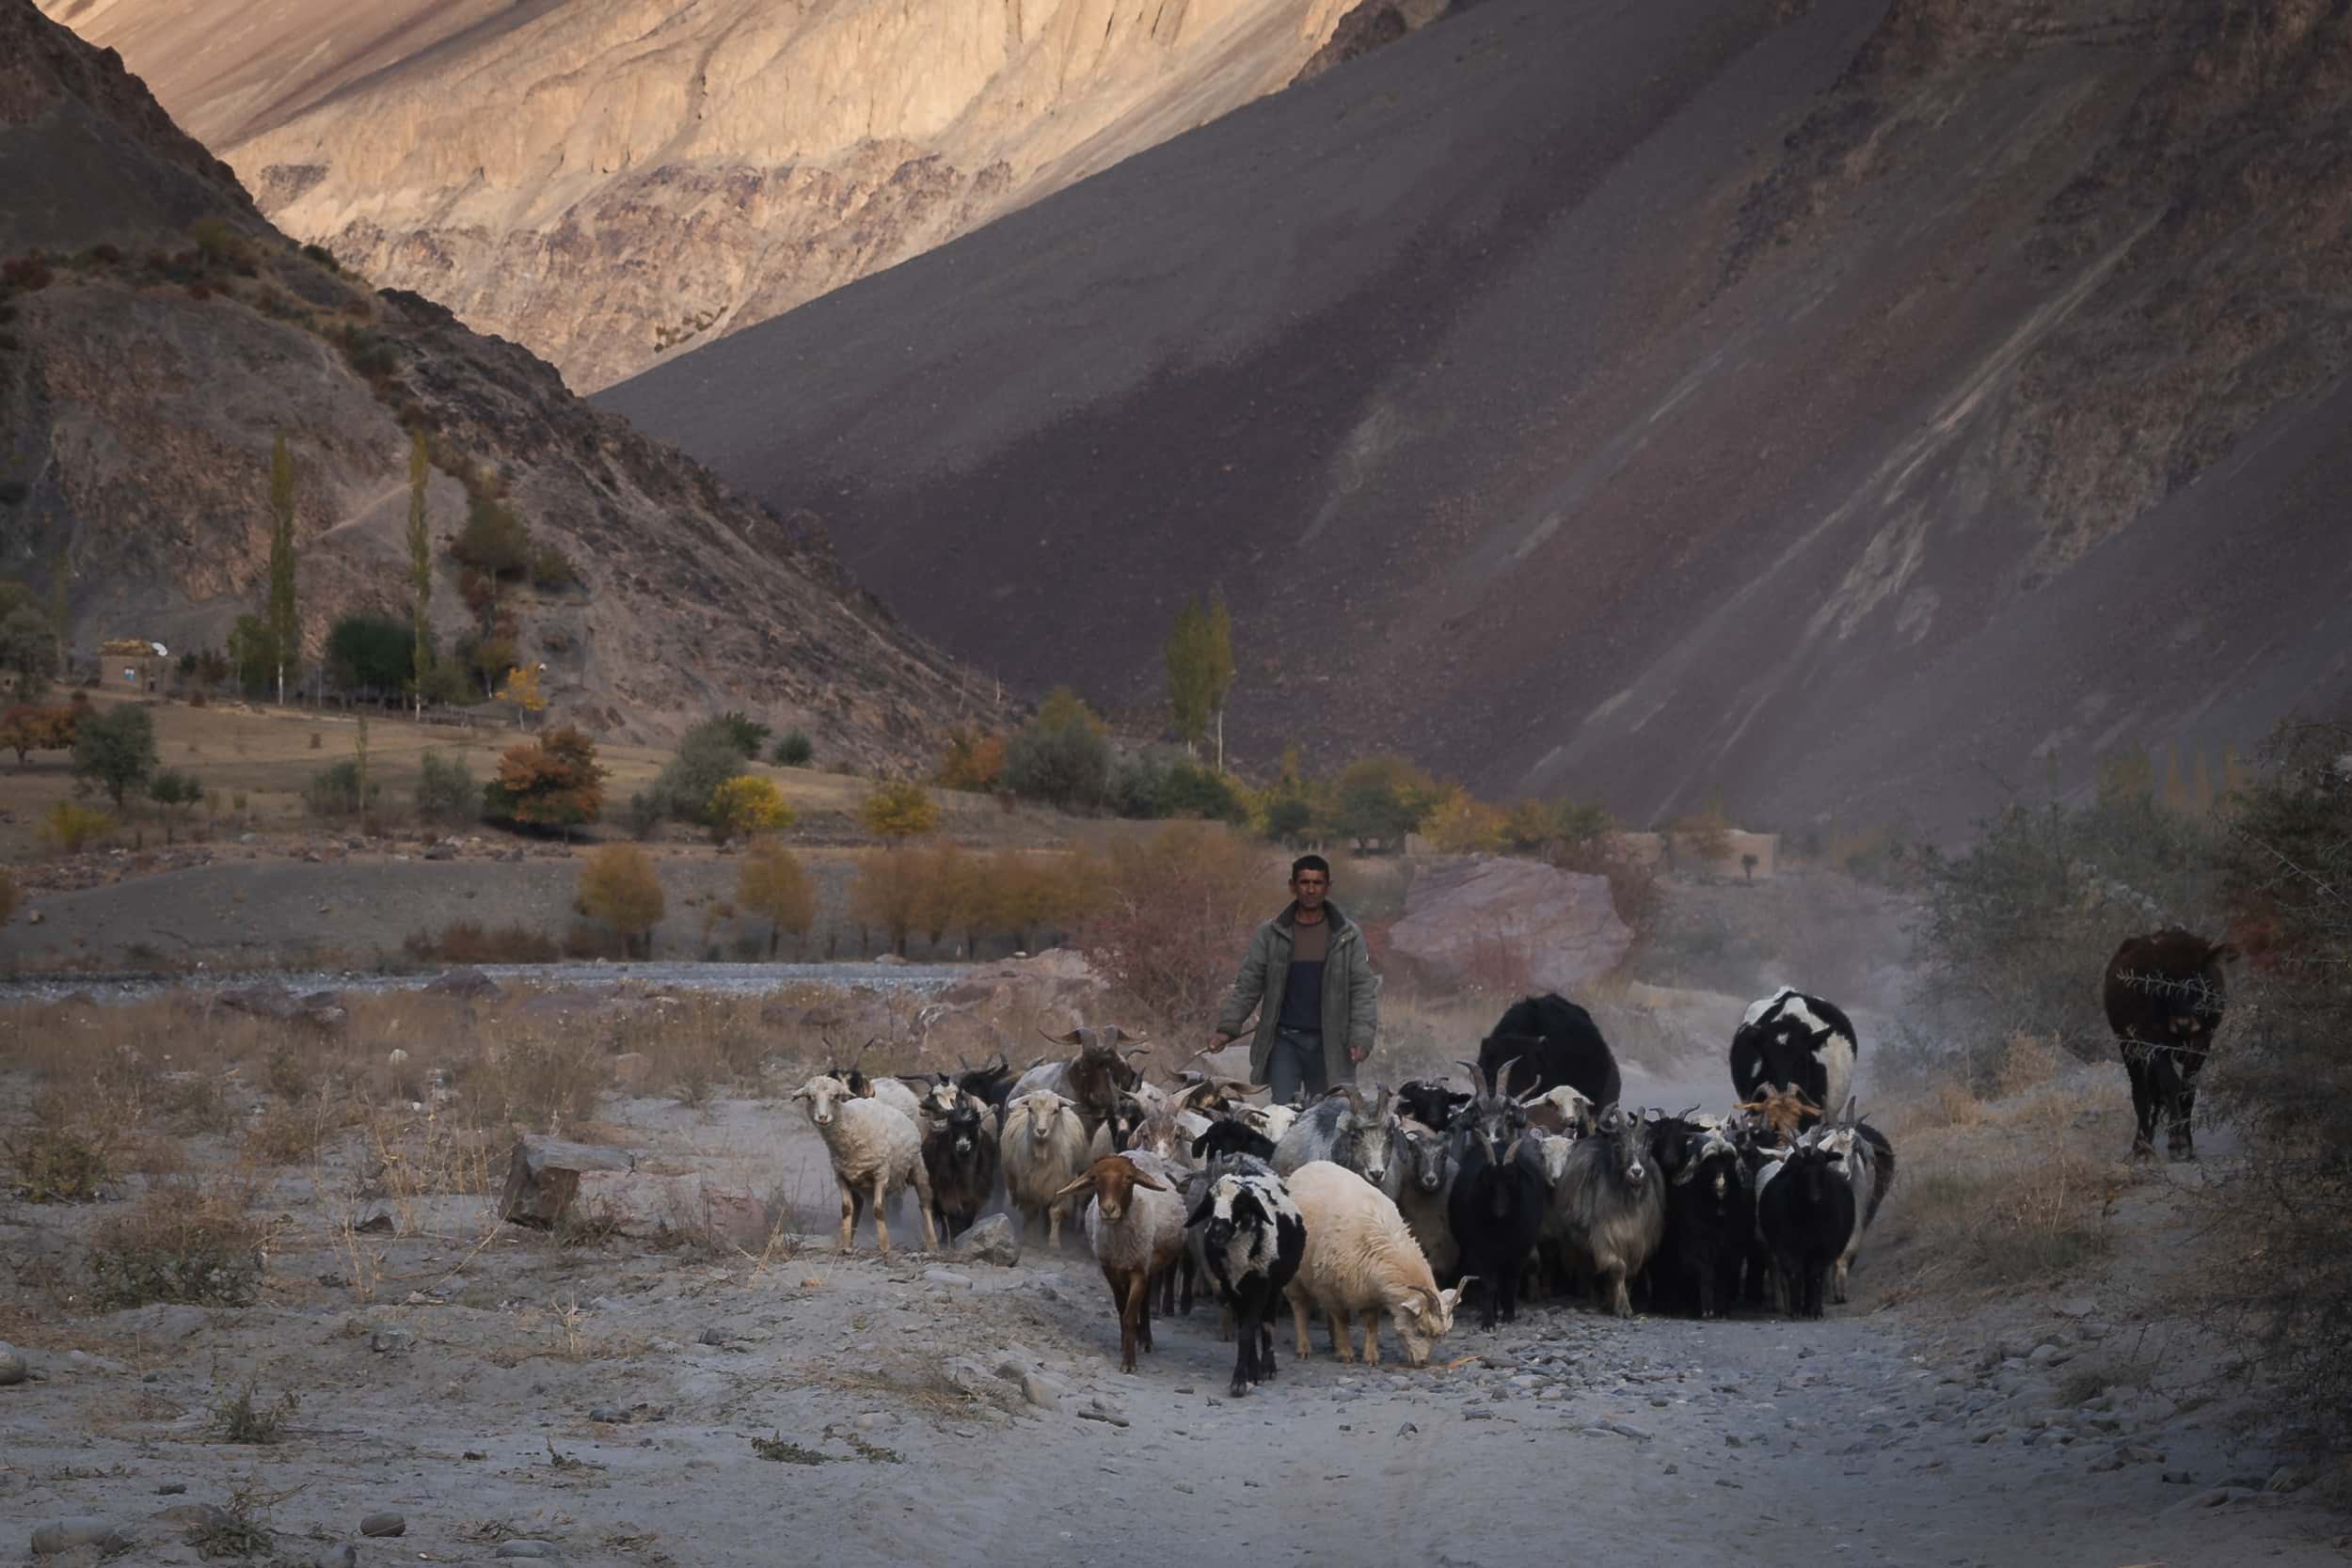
x: 116, y: 750
x: 2015, y: 930
x: 1062, y: 757
x: 707, y: 758
x: 793, y: 750
x: 370, y: 650
x: 446, y: 790
x: 334, y: 790
x: 551, y: 568
x: 748, y: 733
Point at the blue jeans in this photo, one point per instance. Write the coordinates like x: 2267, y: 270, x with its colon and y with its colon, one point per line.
x: 1295, y: 1063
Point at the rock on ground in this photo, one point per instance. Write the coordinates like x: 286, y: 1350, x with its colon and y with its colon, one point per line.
x: 543, y: 1176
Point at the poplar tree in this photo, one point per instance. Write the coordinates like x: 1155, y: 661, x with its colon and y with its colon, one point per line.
x: 283, y: 629
x: 419, y: 566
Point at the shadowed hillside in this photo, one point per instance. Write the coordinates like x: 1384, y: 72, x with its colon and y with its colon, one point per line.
x: 156, y: 334
x: 1838, y: 409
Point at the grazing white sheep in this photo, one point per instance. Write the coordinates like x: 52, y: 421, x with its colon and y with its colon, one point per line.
x: 1361, y: 1258
x: 876, y: 1153
x: 1044, y: 1147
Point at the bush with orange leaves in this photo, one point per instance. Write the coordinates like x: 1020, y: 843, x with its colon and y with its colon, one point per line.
x: 1174, y: 915
x: 552, y: 781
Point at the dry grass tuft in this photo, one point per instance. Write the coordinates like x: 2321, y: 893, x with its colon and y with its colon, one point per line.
x: 179, y: 1243
x: 1994, y: 1194
x: 64, y: 1157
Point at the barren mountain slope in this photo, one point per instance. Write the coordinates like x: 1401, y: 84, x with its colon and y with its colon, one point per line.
x: 605, y: 180
x: 1838, y: 409
x: 143, y: 372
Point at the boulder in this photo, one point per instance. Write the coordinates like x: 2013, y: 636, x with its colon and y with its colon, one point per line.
x: 990, y: 1241
x: 1516, y: 922
x: 642, y: 1203
x: 467, y: 983
x: 322, y: 1010
x: 66, y: 1535
x: 543, y: 1176
x: 630, y: 1067
x: 988, y: 1009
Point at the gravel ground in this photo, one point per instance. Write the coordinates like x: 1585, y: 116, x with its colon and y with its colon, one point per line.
x: 635, y: 1407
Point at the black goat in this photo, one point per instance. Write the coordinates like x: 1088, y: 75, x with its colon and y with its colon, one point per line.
x: 1710, y: 1218
x: 1805, y: 1211
x: 1430, y: 1103
x: 990, y: 1085
x: 1553, y: 1041
x: 1495, y: 1211
x: 961, y: 1158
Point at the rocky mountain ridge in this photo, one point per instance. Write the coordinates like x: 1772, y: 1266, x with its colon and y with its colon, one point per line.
x: 159, y: 333
x: 609, y: 182
x: 1854, y: 411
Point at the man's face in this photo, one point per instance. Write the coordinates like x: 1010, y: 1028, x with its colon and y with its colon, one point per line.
x: 1310, y: 888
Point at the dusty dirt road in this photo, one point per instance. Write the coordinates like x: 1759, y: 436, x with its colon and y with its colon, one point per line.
x: 640, y: 1406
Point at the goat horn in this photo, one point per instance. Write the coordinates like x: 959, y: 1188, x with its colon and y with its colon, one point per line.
x: 1478, y: 1076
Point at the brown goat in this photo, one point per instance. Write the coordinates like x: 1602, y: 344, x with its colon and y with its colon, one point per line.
x: 1135, y: 1225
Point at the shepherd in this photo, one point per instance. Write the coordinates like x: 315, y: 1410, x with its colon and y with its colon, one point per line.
x: 1308, y: 976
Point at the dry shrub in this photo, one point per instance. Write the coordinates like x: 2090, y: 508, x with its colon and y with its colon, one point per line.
x: 542, y: 1080
x: 1177, y: 915
x: 196, y: 1103
x: 2004, y: 1218
x: 293, y: 1135
x: 2026, y: 1063
x: 467, y: 942
x: 290, y: 1072
x: 179, y: 1242
x: 695, y: 1044
x: 411, y: 1158
x: 2281, y: 1076
x: 66, y: 1156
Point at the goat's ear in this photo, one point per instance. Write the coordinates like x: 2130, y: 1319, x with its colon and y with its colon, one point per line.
x: 800, y: 1094
x: 1144, y: 1179
x: 1201, y: 1210
x: 1083, y: 1183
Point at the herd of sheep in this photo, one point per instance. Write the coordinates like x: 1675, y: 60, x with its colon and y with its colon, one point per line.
x: 1534, y: 1180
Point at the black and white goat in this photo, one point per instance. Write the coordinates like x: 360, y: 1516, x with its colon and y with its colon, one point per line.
x: 1251, y: 1238
x: 1227, y: 1147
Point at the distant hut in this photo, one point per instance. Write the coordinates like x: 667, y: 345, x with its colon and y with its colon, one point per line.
x: 132, y: 664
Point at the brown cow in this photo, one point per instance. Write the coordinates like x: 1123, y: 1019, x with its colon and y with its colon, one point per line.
x: 2164, y: 995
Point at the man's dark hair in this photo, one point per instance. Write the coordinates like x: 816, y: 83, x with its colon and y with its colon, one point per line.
x: 1310, y: 862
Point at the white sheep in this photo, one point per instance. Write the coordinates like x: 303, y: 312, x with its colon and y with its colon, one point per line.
x: 1044, y: 1147
x: 1361, y: 1258
x: 877, y: 1153
x: 897, y: 1095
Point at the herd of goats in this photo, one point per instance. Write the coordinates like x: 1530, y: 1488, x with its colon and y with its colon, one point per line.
x: 1536, y: 1176
x: 1536, y: 1179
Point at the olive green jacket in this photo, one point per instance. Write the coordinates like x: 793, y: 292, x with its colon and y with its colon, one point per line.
x: 1351, y: 995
